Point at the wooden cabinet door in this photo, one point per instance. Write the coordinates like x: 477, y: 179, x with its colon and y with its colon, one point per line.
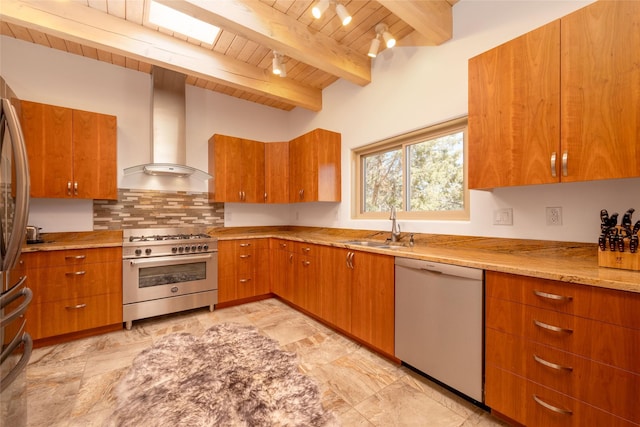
x: 282, y: 269
x: 514, y: 111
x: 600, y: 96
x: 372, y: 297
x: 335, y: 280
x: 95, y: 160
x: 276, y: 180
x: 237, y: 167
x: 315, y: 171
x: 48, y: 134
x: 227, y: 267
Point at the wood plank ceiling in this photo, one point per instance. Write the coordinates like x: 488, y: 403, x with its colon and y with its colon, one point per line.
x: 316, y: 52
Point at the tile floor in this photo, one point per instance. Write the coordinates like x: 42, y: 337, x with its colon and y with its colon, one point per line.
x: 71, y: 384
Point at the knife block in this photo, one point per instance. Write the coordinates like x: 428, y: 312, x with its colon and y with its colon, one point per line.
x: 622, y: 260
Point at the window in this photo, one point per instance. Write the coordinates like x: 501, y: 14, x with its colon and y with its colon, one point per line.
x: 422, y: 174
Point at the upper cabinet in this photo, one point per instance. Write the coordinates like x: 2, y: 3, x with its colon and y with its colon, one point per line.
x: 237, y: 166
x: 558, y: 104
x: 72, y: 153
x: 315, y: 167
x: 306, y: 169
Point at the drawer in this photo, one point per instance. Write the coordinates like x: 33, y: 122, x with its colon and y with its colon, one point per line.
x: 306, y: 249
x: 600, y: 341
x: 607, y: 305
x: 73, y: 315
x: 534, y: 405
x: 281, y: 244
x: 71, y: 257
x: 603, y: 386
x: 59, y: 283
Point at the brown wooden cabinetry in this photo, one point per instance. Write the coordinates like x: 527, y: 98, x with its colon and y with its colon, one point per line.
x: 547, y: 106
x: 74, y: 290
x: 276, y: 178
x: 237, y: 166
x: 72, y: 153
x: 282, y: 268
x: 561, y: 354
x: 243, y: 269
x: 315, y: 167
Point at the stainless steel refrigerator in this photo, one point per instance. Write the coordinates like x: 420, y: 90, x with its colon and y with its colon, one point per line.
x: 15, y: 296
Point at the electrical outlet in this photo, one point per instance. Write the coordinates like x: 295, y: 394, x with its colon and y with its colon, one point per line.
x: 503, y: 216
x: 554, y: 216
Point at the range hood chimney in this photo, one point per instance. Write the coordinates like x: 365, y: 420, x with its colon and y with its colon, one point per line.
x: 168, y: 116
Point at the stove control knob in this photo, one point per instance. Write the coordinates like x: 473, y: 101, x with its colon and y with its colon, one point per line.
x: 187, y: 248
x: 199, y: 247
x: 180, y: 249
x: 205, y: 247
x: 138, y: 252
x: 174, y: 250
x: 147, y: 251
x: 193, y: 248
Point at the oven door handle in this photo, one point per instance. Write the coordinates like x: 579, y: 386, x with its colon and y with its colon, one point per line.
x: 168, y: 260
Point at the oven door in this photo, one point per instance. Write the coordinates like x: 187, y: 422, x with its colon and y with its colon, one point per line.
x: 147, y: 279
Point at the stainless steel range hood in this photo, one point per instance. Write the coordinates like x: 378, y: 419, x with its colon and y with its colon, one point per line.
x: 168, y: 146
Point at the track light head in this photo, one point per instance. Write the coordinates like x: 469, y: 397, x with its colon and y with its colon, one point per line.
x: 319, y: 8
x: 383, y: 30
x: 344, y: 15
x: 374, y: 46
x: 276, y: 64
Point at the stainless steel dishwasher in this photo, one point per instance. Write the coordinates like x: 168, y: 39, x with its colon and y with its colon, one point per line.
x: 439, y: 322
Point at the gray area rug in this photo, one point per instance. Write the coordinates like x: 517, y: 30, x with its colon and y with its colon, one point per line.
x: 230, y: 376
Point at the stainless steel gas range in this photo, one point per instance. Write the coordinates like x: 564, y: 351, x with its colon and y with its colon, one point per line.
x: 166, y: 270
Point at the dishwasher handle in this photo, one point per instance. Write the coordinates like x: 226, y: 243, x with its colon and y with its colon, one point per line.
x: 440, y: 268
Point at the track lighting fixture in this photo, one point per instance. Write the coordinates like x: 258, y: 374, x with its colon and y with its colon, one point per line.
x: 278, y: 67
x: 321, y: 6
x: 389, y: 40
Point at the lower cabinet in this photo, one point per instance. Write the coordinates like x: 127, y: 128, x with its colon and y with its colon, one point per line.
x: 73, y: 290
x: 243, y: 270
x: 559, y: 354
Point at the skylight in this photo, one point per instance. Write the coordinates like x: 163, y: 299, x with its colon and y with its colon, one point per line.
x: 173, y: 20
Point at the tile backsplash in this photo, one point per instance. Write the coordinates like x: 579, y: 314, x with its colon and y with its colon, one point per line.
x: 156, y: 209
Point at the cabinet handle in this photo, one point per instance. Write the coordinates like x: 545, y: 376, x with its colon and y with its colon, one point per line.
x: 265, y: 196
x: 245, y: 245
x: 244, y: 280
x: 551, y: 365
x: 76, y: 273
x: 306, y: 250
x: 565, y: 161
x: 75, y: 307
x: 245, y: 256
x: 75, y: 257
x: 551, y: 296
x: 283, y: 245
x: 306, y: 263
x: 552, y: 328
x: 350, y: 257
x: 553, y: 164
x: 551, y: 407
x: 301, y: 194
x: 75, y: 188
x: 68, y: 188
x: 290, y: 258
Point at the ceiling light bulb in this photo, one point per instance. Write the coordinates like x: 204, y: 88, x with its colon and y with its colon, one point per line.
x: 389, y: 40
x: 277, y: 66
x: 283, y: 70
x: 319, y: 8
x: 343, y: 14
x: 373, y: 48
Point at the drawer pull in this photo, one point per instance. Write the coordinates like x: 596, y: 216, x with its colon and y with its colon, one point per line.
x: 76, y: 273
x: 551, y: 364
x: 245, y: 256
x: 283, y: 245
x: 75, y: 257
x: 551, y: 407
x: 244, y: 280
x: 245, y: 245
x: 551, y: 327
x: 75, y: 307
x: 306, y: 263
x: 552, y: 296
x: 306, y: 250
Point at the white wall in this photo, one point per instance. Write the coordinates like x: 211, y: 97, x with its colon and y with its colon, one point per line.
x: 411, y: 88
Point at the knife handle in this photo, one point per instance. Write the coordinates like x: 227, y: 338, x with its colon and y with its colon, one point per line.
x: 620, y: 244
x: 612, y: 241
x: 633, y: 244
x: 602, y: 242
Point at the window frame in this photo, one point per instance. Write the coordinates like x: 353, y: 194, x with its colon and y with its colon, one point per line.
x: 402, y: 141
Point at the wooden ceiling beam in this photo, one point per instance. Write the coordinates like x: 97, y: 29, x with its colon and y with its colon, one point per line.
x: 432, y: 20
x: 257, y: 21
x: 80, y: 24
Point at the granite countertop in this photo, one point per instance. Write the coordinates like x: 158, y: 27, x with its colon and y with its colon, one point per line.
x: 564, y: 261
x: 76, y: 240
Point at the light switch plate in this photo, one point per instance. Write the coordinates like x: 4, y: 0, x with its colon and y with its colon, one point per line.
x: 503, y: 216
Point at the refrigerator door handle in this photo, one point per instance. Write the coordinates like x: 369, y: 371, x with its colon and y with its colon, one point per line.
x: 26, y: 355
x: 22, y: 308
x: 10, y: 257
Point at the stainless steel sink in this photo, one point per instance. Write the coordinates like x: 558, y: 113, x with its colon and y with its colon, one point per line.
x: 373, y: 244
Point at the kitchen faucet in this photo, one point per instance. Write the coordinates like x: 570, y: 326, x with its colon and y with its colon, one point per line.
x: 395, y: 227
